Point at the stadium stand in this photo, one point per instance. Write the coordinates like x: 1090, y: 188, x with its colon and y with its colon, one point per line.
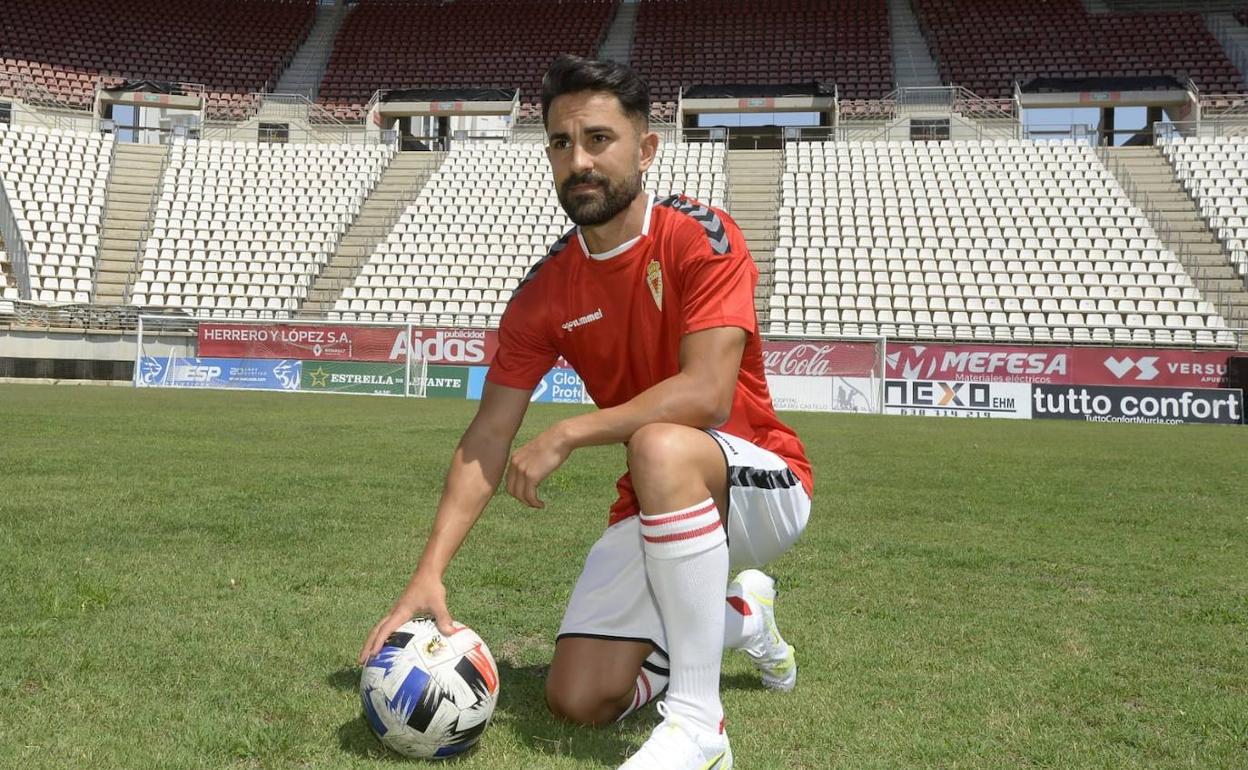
x: 1214, y: 170
x: 996, y: 241
x: 460, y: 249
x: 463, y: 44
x: 718, y: 42
x: 987, y: 45
x: 56, y: 183
x: 232, y: 48
x: 242, y: 229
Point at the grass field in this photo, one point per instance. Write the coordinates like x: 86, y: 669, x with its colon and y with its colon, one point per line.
x: 186, y: 577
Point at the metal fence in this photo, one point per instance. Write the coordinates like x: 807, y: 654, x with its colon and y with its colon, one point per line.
x: 124, y: 318
x: 14, y: 243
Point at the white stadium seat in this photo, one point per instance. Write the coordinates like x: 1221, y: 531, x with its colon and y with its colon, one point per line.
x: 1039, y: 230
x: 259, y: 222
x: 484, y: 216
x: 56, y: 181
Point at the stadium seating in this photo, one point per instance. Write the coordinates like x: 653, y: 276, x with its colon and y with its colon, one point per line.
x: 997, y: 241
x: 461, y: 44
x: 716, y: 42
x: 232, y: 48
x: 987, y: 45
x: 1215, y: 172
x: 242, y: 229
x: 56, y: 183
x: 483, y: 218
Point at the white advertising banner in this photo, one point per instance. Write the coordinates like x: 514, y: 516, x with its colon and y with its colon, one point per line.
x: 824, y: 394
x: 956, y: 398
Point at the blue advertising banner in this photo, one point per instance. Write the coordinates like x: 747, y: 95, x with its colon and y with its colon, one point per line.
x: 476, y: 381
x: 558, y: 386
x: 249, y: 373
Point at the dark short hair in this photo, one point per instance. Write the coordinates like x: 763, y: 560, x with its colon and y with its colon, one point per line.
x: 569, y: 74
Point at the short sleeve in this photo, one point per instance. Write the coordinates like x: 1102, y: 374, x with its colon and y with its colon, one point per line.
x: 525, y: 352
x: 717, y: 289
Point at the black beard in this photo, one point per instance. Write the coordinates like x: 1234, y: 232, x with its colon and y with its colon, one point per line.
x: 589, y: 211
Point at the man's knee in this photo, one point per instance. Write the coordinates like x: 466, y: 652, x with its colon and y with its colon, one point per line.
x: 660, y: 446
x: 585, y: 705
x: 675, y: 465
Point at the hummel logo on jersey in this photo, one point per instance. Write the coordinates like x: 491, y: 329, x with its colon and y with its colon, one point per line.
x: 589, y: 318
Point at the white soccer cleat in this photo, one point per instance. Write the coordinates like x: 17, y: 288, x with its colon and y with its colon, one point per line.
x: 774, y: 658
x: 674, y: 745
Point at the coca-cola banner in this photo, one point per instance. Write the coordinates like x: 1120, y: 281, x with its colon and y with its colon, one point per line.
x: 819, y: 358
x: 347, y: 343
x: 1167, y: 368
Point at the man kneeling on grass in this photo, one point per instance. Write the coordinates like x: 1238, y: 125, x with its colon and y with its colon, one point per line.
x: 651, y: 300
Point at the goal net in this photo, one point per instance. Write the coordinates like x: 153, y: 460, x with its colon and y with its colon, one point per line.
x: 826, y: 375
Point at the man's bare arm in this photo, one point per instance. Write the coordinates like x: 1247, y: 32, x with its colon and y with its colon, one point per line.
x: 476, y: 469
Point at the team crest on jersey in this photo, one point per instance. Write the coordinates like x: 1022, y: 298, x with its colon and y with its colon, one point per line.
x: 654, y: 280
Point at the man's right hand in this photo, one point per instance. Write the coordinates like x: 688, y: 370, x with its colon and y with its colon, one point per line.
x: 423, y: 596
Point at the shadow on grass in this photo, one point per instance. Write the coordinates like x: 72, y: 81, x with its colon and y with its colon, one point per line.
x: 356, y: 738
x: 522, y: 712
x: 741, y: 680
x: 346, y: 678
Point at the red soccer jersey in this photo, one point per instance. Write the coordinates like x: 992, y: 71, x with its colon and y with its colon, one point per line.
x: 619, y: 321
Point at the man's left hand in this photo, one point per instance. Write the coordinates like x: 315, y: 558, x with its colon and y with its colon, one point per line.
x: 532, y: 463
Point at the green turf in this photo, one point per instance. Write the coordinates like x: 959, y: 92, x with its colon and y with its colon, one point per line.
x: 185, y: 579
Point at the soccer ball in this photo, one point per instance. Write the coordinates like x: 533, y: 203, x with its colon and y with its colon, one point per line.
x: 427, y: 695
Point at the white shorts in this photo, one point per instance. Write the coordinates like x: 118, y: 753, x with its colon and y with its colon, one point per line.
x: 767, y: 513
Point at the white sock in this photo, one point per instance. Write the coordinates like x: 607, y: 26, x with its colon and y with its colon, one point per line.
x: 651, y: 681
x: 687, y: 565
x: 743, y: 620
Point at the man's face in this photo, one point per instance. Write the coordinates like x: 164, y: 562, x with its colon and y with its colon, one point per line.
x: 598, y: 155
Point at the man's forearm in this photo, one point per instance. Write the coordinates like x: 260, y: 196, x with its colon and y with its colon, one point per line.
x: 678, y: 399
x: 476, y: 468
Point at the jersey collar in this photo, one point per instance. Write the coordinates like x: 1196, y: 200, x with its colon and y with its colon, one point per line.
x: 623, y: 247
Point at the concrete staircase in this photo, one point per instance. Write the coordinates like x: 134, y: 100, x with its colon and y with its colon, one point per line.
x: 399, y: 186
x: 304, y: 74
x: 617, y: 45
x: 132, y: 185
x: 1149, y: 178
x: 913, y: 65
x: 753, y: 201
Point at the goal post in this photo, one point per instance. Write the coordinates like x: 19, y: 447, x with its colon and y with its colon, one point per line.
x: 417, y: 372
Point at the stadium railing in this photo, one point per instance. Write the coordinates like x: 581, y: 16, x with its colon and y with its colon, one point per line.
x: 1153, y: 212
x: 1168, y: 132
x: 14, y: 243
x: 311, y: 122
x: 124, y: 318
x: 112, y: 168
x: 147, y: 226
